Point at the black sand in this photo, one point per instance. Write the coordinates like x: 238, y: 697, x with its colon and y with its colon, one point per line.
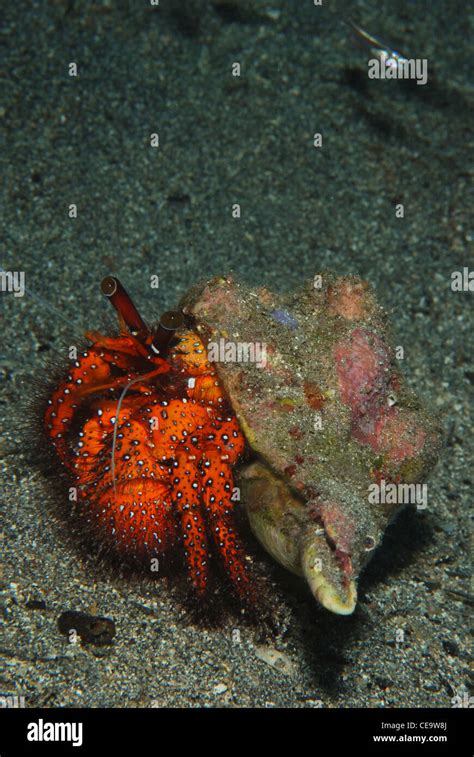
x: 85, y: 140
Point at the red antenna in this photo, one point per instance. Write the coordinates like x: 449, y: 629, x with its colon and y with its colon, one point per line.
x: 122, y: 302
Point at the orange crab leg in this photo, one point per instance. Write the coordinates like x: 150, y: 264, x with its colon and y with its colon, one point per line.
x: 137, y: 517
x: 122, y: 381
x: 186, y: 485
x: 217, y: 487
x: 115, y: 347
x: 85, y: 377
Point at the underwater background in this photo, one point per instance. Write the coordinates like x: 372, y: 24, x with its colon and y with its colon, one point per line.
x: 167, y: 211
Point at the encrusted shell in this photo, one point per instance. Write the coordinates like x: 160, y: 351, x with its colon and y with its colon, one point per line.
x: 317, y: 390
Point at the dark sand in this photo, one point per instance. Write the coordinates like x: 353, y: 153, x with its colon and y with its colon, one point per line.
x: 167, y: 211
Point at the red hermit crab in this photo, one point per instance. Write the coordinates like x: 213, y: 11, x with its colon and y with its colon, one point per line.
x: 143, y: 427
x: 152, y: 423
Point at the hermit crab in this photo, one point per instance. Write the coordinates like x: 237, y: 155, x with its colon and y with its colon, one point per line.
x: 143, y: 427
x: 290, y: 407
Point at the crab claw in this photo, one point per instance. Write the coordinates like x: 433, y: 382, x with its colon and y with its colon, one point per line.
x: 319, y: 538
x: 337, y: 593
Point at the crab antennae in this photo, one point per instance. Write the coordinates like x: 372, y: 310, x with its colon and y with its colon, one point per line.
x: 45, y: 303
x: 116, y: 425
x: 122, y: 302
x: 169, y: 323
x: 143, y: 378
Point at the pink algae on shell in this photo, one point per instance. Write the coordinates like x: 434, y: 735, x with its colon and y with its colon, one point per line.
x: 351, y: 300
x: 363, y: 362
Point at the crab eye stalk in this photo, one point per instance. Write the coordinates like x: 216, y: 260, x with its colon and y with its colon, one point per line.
x: 122, y: 302
x: 169, y: 323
